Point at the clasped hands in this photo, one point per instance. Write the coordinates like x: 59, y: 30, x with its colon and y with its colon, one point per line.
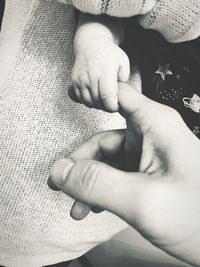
x: 148, y: 174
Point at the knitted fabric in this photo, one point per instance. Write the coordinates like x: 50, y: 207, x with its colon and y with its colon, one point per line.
x: 39, y: 124
x: 176, y: 20
x: 119, y: 8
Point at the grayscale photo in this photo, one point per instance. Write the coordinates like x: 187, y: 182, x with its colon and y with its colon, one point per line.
x: 99, y: 133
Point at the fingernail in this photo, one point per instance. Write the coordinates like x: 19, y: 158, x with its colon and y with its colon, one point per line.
x: 60, y: 170
x: 79, y: 210
x: 51, y: 185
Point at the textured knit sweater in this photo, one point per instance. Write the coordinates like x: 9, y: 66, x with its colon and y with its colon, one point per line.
x: 39, y: 124
x: 177, y: 20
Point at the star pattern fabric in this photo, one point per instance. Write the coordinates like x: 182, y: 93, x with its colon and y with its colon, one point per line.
x: 163, y: 70
x: 170, y: 72
x: 178, y: 91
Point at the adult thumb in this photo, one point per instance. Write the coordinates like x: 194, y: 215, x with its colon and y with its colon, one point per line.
x: 101, y: 185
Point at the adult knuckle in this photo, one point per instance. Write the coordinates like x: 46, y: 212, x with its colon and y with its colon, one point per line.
x: 89, y: 178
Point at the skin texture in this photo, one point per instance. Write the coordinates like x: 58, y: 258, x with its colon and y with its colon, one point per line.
x: 99, y: 62
x: 148, y: 174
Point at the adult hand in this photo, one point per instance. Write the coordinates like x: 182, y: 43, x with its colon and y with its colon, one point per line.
x: 160, y: 200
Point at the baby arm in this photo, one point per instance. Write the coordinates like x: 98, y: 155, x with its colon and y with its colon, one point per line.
x: 99, y: 61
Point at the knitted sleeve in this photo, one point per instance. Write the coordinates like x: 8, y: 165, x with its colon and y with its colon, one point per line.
x: 176, y: 20
x: 119, y: 8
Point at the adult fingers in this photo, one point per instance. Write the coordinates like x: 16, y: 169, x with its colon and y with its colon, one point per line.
x: 102, y: 146
x: 98, y: 184
x: 80, y: 210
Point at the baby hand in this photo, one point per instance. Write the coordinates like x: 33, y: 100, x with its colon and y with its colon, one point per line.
x: 99, y: 65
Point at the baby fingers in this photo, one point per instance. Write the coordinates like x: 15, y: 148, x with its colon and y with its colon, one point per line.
x: 81, y: 90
